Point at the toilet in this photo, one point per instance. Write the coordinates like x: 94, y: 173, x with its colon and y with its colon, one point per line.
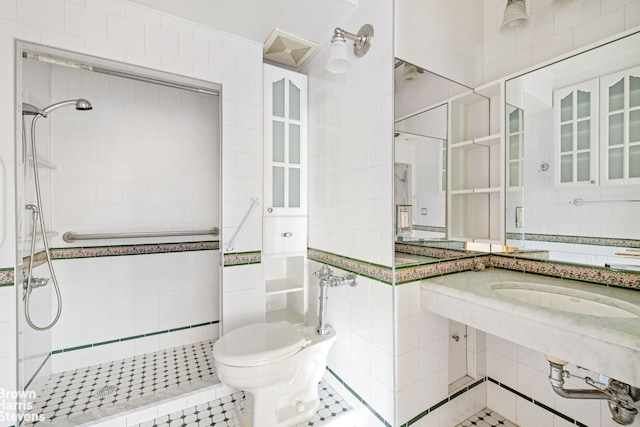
x: 278, y: 367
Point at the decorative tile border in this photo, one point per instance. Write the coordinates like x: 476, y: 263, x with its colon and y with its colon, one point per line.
x: 373, y: 271
x: 142, y: 249
x: 592, y: 274
x: 539, y: 404
x: 434, y: 252
x: 576, y: 240
x: 150, y: 334
x: 412, y: 273
x: 242, y: 258
x: 7, y: 277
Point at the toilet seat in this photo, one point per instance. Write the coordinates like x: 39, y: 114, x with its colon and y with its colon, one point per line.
x: 258, y: 344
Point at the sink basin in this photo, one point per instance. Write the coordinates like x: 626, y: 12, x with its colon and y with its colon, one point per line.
x: 570, y: 301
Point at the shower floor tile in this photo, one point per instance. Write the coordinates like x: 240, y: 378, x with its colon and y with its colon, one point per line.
x: 486, y: 418
x: 133, y: 381
x: 222, y: 412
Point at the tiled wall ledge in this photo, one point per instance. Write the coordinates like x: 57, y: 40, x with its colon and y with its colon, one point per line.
x: 578, y: 240
x: 431, y: 251
x: 585, y: 273
x: 373, y: 271
x: 412, y: 273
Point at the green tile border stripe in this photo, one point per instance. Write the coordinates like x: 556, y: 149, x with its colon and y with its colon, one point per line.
x: 149, y: 334
x: 443, y: 402
x: 535, y: 402
x: 373, y: 271
x: 360, y: 399
x: 7, y: 277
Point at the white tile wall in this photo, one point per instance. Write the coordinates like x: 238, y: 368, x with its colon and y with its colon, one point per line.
x: 551, y: 32
x: 527, y: 371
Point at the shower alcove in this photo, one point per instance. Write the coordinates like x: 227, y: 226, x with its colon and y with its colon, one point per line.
x: 145, y: 159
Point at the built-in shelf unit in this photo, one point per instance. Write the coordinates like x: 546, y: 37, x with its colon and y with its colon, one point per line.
x: 284, y: 243
x: 475, y: 166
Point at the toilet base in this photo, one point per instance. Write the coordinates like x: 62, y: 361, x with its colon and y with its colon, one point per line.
x: 258, y: 410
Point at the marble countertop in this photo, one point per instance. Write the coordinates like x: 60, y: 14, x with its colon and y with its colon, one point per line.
x: 607, y: 345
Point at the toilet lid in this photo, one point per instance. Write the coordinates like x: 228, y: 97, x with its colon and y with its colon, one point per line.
x: 258, y: 344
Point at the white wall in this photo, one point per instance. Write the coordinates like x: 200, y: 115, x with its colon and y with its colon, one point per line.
x: 350, y: 201
x: 551, y: 32
x: 118, y: 30
x: 441, y: 36
x: 527, y: 371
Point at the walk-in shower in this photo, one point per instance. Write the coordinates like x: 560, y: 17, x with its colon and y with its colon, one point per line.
x: 31, y: 282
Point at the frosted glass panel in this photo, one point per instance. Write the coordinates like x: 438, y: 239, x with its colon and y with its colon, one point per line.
x: 634, y: 126
x: 616, y: 96
x: 514, y: 121
x: 566, y: 168
x: 514, y: 147
x: 278, y: 141
x: 294, y: 101
x: 584, y: 104
x: 634, y: 161
x: 278, y: 98
x: 294, y: 144
x: 616, y: 162
x: 294, y: 188
x: 278, y: 187
x: 566, y: 138
x: 566, y: 108
x: 616, y: 129
x: 634, y: 91
x: 584, y: 134
x: 514, y: 174
x: 584, y: 167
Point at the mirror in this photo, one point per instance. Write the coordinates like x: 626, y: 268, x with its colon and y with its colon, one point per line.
x: 420, y: 169
x: 573, y: 158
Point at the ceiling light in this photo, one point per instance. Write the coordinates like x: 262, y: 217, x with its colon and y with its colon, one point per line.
x: 515, y: 16
x: 338, y: 61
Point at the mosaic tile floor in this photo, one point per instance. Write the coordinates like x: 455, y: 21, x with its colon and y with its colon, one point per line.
x: 486, y: 418
x: 221, y: 412
x: 67, y: 394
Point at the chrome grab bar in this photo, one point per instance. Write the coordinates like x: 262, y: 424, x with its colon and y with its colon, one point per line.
x: 71, y: 236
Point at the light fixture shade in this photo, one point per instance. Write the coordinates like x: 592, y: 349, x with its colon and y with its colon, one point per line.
x: 338, y: 61
x: 515, y: 16
x: 409, y: 73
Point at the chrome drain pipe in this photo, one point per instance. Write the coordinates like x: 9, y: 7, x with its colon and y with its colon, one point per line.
x: 623, y: 399
x: 327, y: 279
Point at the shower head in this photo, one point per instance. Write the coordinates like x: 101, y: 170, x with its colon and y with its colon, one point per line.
x: 80, y: 104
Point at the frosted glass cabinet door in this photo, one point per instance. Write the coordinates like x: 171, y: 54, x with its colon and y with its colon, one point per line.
x: 620, y: 127
x: 285, y: 146
x: 576, y: 130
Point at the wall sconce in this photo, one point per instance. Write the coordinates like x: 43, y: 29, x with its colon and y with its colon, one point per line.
x: 338, y: 61
x: 515, y: 16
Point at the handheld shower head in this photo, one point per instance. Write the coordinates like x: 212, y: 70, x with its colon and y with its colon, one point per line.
x: 80, y: 104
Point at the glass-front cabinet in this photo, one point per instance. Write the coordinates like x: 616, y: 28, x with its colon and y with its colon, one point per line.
x: 284, y: 240
x: 620, y: 106
x: 576, y: 117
